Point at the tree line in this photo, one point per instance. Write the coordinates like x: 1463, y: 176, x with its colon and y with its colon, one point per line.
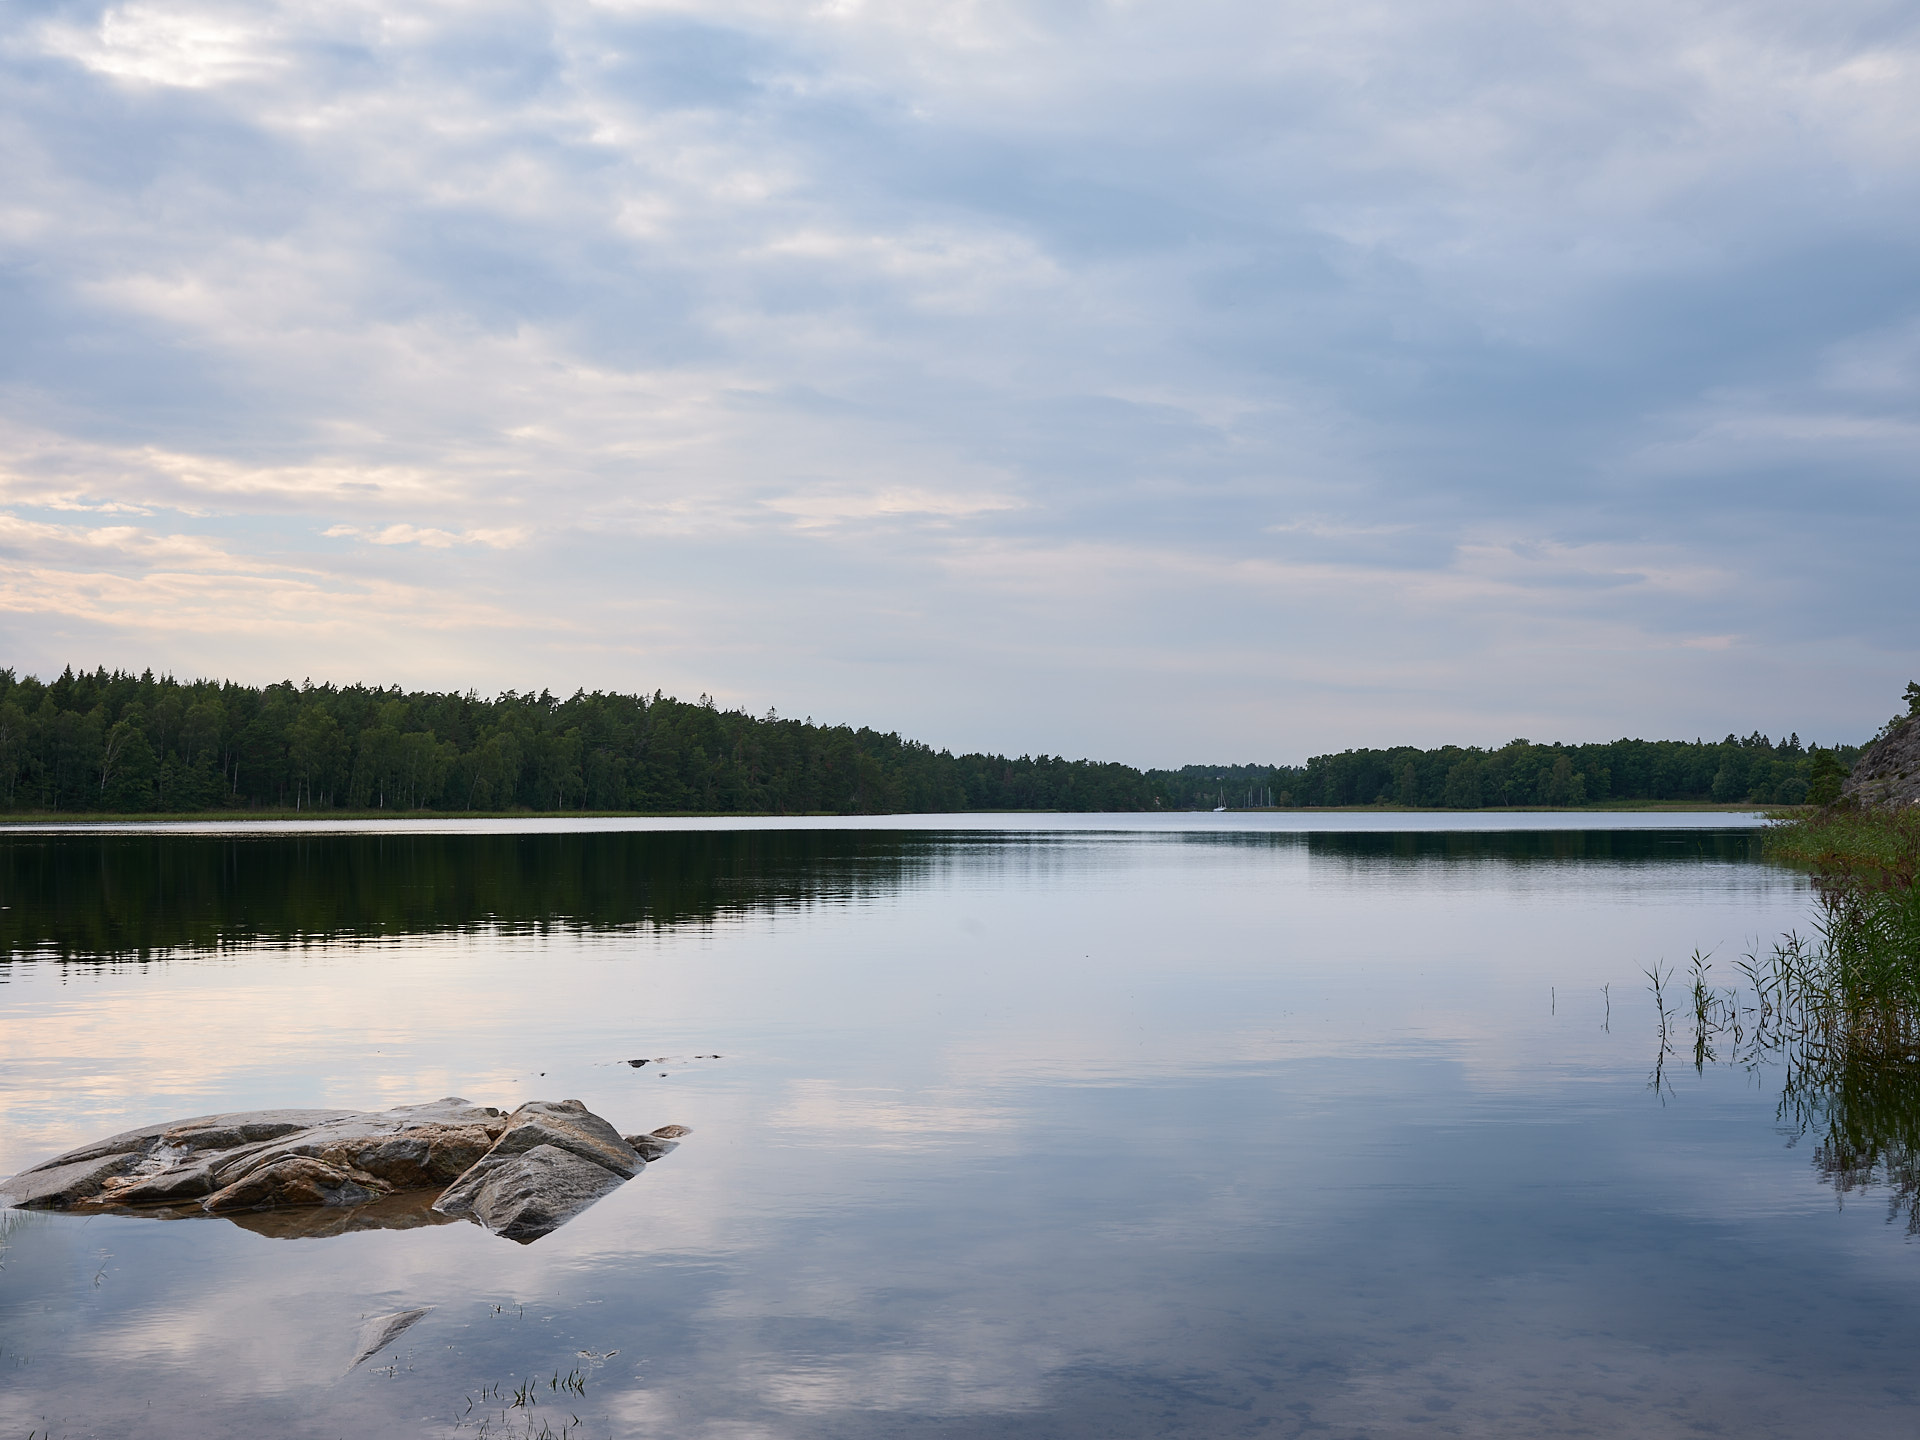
x: 124, y: 743
x: 130, y: 744
x: 1752, y: 770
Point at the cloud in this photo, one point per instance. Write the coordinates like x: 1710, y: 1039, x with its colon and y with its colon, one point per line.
x: 1145, y: 366
x: 431, y: 538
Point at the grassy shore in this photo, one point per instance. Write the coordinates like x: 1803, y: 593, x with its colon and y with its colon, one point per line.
x: 1873, y: 848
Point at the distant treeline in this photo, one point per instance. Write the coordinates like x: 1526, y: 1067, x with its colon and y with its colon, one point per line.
x: 132, y: 743
x: 1753, y: 770
x: 124, y: 743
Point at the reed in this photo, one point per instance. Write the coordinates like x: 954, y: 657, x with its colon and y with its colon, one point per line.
x: 1866, y: 847
x: 1839, y: 1012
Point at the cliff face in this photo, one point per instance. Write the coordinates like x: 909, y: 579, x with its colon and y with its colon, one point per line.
x: 1888, y: 771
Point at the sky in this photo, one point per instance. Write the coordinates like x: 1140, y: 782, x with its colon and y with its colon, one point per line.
x: 1229, y: 380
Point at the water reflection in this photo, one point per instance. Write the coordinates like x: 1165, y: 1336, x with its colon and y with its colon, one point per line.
x: 409, y: 1210
x: 83, y: 897
x: 1864, y: 1116
x: 1016, y: 1136
x: 1523, y: 847
x: 1846, y: 1059
x: 138, y: 896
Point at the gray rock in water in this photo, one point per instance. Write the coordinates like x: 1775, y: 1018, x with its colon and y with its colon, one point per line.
x: 552, y: 1161
x: 520, y: 1175
x: 382, y: 1330
x: 1887, y: 774
x: 657, y: 1143
x: 81, y: 1174
x: 54, y: 1186
x: 522, y: 1197
x: 294, y: 1180
x: 567, y: 1125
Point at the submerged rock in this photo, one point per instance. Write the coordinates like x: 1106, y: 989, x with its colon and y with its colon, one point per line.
x: 380, y: 1330
x: 652, y: 1146
x: 521, y: 1175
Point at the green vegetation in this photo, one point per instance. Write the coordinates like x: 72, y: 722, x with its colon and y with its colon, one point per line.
x: 1852, y: 849
x: 1840, y: 1014
x: 1752, y: 771
x: 1841, y: 1010
x: 118, y: 743
x: 130, y: 744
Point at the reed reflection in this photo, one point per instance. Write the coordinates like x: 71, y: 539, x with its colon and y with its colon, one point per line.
x: 1839, y: 1013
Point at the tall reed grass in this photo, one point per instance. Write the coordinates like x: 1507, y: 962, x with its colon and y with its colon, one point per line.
x: 1838, y: 1010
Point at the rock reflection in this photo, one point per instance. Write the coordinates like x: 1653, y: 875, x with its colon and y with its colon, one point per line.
x: 410, y: 1210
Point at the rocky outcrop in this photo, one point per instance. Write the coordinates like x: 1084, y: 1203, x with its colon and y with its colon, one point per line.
x: 551, y: 1162
x: 521, y: 1175
x: 1887, y: 774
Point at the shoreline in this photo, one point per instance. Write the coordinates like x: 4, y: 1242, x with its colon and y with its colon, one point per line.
x: 37, y: 819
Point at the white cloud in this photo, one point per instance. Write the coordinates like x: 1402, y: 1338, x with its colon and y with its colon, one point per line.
x: 171, y: 45
x: 1145, y: 364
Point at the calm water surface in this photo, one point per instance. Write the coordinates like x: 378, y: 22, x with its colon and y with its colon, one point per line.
x: 1057, y: 1130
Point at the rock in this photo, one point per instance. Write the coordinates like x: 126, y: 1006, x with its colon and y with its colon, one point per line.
x: 1887, y: 774
x: 161, y: 1187
x: 357, y: 1156
x: 54, y: 1186
x: 413, y: 1147
x: 295, y: 1180
x: 381, y: 1330
x: 520, y: 1175
x: 553, y: 1160
x: 136, y: 1145
x: 657, y: 1143
x: 567, y: 1125
x: 522, y: 1197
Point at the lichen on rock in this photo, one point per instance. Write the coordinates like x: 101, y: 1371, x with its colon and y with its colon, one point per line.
x: 1887, y: 774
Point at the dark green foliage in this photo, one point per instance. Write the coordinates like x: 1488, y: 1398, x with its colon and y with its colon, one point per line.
x: 1853, y: 848
x: 1842, y: 1010
x: 136, y: 744
x: 127, y: 744
x: 1750, y: 771
x: 1205, y: 787
x: 1824, y: 775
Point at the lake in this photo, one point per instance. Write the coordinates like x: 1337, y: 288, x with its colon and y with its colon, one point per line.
x: 1341, y: 1125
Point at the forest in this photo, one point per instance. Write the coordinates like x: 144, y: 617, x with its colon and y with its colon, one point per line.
x: 119, y: 743
x: 1750, y: 770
